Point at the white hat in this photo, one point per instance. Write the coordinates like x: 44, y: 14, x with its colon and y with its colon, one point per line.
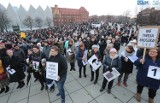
x: 95, y: 46
x: 113, y: 50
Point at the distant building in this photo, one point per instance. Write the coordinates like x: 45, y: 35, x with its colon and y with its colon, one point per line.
x: 67, y: 15
x: 18, y: 15
x: 149, y: 16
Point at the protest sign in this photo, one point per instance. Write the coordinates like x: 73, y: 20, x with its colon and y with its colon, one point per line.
x: 52, y: 70
x: 93, y: 61
x: 10, y: 70
x: 148, y: 37
x: 111, y: 75
x: 35, y: 65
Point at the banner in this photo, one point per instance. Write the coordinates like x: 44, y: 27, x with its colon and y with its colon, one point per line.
x: 52, y: 70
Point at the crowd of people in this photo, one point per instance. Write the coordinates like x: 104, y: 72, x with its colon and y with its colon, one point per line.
x: 21, y: 57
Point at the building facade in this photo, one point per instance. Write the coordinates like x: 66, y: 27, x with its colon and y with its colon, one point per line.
x: 67, y: 15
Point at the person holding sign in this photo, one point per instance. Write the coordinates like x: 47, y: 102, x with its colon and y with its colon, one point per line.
x: 111, y: 61
x: 81, y: 57
x: 148, y: 74
x: 70, y: 54
x: 54, y: 56
x: 35, y: 59
x: 13, y: 66
x: 127, y: 64
x: 95, y: 51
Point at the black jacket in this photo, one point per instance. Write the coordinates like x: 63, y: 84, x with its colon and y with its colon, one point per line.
x: 15, y: 64
x: 62, y: 64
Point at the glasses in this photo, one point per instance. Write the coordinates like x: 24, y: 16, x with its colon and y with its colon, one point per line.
x: 153, y: 51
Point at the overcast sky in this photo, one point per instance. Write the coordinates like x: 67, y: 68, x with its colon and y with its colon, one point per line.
x: 99, y: 7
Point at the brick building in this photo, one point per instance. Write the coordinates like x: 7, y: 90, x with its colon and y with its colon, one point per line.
x: 67, y: 15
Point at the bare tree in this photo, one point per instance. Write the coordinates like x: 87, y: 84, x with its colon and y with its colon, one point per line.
x: 28, y: 22
x: 38, y: 22
x: 126, y: 16
x: 4, y: 21
x: 49, y: 22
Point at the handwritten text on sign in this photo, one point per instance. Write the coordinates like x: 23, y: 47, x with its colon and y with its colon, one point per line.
x: 147, y: 37
x: 52, y: 70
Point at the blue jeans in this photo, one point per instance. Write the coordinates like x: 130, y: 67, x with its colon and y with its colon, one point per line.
x: 60, y: 85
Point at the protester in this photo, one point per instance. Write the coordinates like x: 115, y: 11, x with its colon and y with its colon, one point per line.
x: 111, y: 61
x: 152, y: 58
x: 4, y: 80
x: 70, y: 54
x: 13, y: 63
x: 81, y: 57
x: 126, y: 64
x: 62, y: 70
x: 35, y: 59
x: 95, y: 51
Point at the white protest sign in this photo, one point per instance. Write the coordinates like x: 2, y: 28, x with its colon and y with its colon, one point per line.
x: 52, y: 70
x: 154, y: 72
x: 133, y: 57
x: 147, y: 37
x: 69, y: 51
x: 35, y: 65
x: 93, y: 61
x: 10, y: 70
x: 111, y: 75
x: 85, y: 62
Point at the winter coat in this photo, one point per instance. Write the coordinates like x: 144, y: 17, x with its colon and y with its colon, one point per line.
x: 62, y: 64
x: 46, y: 51
x: 37, y: 57
x: 127, y: 66
x: 79, y: 56
x: 3, y: 53
x: 109, y: 63
x: 15, y: 64
x: 142, y: 78
x: 20, y: 54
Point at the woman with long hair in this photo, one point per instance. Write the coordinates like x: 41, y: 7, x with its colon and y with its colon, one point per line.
x: 151, y: 60
x: 81, y: 57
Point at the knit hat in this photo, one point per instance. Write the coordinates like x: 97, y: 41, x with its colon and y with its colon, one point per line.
x: 113, y: 50
x: 95, y: 46
x: 43, y: 60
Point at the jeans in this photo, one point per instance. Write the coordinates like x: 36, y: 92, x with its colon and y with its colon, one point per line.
x: 60, y: 85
